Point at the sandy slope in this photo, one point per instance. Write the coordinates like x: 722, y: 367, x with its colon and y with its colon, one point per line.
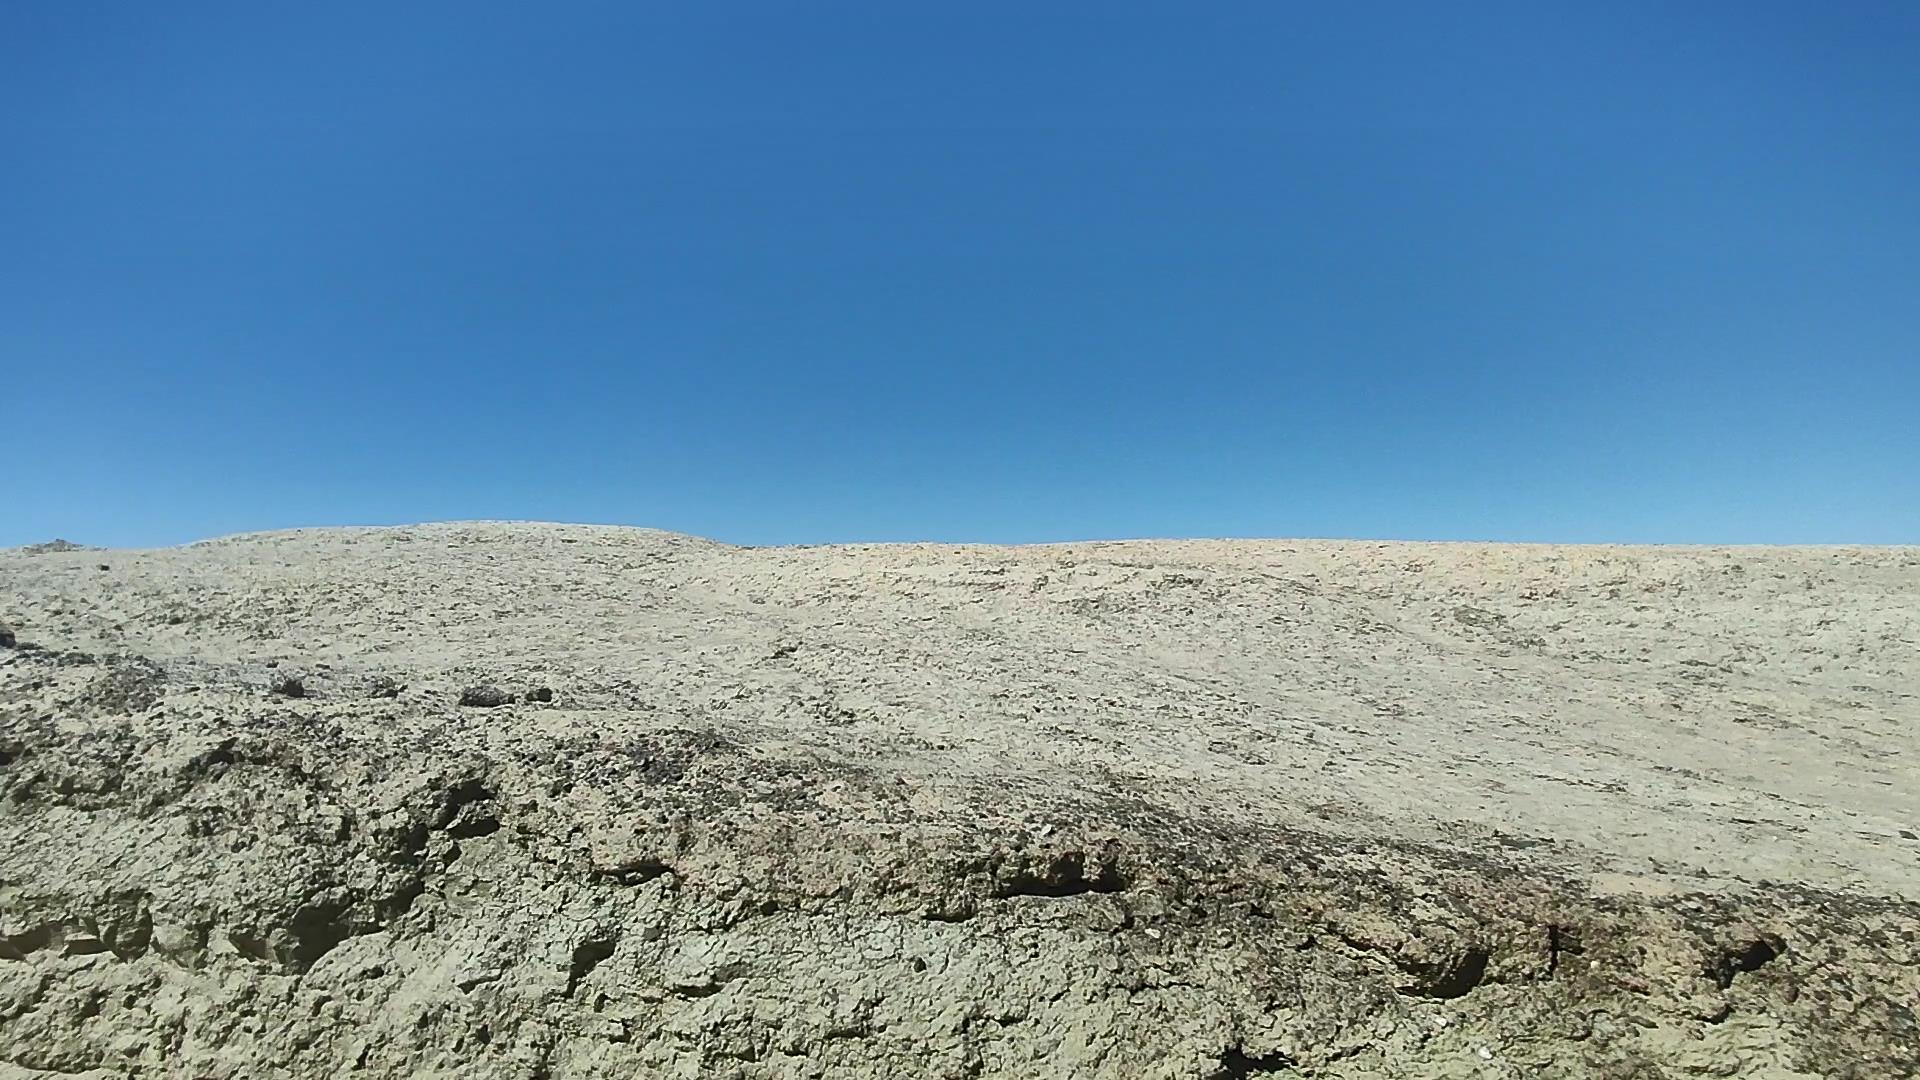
x: 1369, y: 791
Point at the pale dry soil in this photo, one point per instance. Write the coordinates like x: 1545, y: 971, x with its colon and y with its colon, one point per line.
x: 1144, y: 809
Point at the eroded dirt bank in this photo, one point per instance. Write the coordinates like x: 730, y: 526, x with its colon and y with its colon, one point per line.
x: 1168, y: 809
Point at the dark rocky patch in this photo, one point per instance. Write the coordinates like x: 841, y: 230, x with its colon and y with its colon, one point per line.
x: 485, y: 697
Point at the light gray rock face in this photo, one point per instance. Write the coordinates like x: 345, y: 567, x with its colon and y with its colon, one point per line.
x: 1117, y: 810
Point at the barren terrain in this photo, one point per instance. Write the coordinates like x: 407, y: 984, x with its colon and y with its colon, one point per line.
x: 1146, y: 809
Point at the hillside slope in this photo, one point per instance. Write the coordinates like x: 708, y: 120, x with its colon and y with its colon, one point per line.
x: 1176, y: 809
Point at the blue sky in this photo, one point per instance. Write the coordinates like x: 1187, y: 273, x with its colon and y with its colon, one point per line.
x: 813, y: 272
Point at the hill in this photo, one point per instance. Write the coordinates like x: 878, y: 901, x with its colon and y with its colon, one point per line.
x: 1156, y: 808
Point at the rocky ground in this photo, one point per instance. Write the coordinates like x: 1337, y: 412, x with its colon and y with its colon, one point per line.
x: 1167, y: 809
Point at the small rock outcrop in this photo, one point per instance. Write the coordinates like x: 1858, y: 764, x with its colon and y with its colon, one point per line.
x: 485, y: 697
x: 53, y: 547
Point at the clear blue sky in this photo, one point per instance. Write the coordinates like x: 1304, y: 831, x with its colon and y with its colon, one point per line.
x: 811, y: 272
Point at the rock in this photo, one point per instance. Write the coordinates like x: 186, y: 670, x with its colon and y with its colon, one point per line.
x: 385, y: 686
x: 289, y: 686
x: 52, y: 547
x: 540, y: 695
x: 7, y: 639
x: 485, y: 697
x: 1478, y: 618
